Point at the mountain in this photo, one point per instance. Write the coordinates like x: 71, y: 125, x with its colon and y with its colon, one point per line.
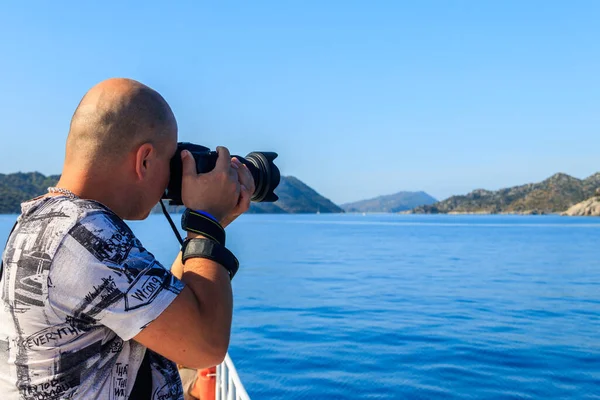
x: 391, y: 203
x: 555, y: 194
x: 18, y: 187
x: 296, y: 197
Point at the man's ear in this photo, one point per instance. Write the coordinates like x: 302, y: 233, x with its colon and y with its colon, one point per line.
x: 143, y: 156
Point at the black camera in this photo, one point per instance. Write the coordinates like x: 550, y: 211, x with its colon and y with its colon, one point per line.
x: 264, y: 171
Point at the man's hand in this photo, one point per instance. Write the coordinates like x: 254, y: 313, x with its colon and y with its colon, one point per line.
x: 217, y: 192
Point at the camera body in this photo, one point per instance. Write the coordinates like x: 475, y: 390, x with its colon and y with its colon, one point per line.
x: 265, y: 173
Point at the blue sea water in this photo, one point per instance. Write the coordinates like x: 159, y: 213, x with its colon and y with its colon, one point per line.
x: 403, y: 306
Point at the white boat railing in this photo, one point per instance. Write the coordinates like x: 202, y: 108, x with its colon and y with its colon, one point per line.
x: 229, y: 385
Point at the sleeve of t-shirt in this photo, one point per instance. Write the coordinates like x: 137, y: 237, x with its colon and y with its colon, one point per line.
x: 102, y: 275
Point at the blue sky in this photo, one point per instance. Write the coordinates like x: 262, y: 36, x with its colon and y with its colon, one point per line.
x: 359, y: 98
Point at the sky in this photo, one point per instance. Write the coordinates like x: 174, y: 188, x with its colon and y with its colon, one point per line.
x: 359, y: 98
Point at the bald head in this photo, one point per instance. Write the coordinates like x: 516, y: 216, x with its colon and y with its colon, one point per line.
x: 115, y: 117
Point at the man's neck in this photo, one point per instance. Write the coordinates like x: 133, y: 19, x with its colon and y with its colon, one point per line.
x: 108, y: 191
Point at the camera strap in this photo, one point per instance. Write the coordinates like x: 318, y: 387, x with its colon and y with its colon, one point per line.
x: 193, y: 221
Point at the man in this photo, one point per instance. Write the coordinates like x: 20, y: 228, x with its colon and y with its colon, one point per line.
x: 83, y: 303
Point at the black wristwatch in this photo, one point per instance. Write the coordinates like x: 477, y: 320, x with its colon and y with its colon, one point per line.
x: 205, y: 248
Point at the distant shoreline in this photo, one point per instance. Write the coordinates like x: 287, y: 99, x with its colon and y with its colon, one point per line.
x: 523, y: 213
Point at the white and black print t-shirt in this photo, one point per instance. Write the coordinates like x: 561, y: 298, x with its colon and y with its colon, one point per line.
x: 76, y: 287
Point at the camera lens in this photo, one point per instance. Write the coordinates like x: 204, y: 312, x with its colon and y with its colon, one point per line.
x: 265, y: 173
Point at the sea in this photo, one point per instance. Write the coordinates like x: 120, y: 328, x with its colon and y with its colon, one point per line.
x: 385, y: 306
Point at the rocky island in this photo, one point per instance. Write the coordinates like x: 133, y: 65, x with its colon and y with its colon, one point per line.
x: 587, y: 208
x: 551, y: 196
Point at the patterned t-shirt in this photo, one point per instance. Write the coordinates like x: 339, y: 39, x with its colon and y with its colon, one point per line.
x: 76, y: 287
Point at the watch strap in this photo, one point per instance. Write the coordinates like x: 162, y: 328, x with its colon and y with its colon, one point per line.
x: 193, y: 221
x: 205, y: 248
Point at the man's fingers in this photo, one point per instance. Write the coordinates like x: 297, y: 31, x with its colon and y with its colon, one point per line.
x: 244, y: 202
x: 223, y: 160
x: 188, y: 166
x: 235, y: 163
x: 246, y: 178
x: 234, y: 178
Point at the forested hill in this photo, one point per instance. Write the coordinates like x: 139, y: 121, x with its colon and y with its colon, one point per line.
x: 18, y: 187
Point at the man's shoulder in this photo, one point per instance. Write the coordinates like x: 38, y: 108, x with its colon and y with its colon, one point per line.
x: 103, y: 233
x: 97, y: 217
x: 94, y: 226
x: 54, y: 209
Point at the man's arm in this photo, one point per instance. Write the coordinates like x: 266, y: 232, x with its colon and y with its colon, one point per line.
x: 177, y: 267
x: 194, y: 329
